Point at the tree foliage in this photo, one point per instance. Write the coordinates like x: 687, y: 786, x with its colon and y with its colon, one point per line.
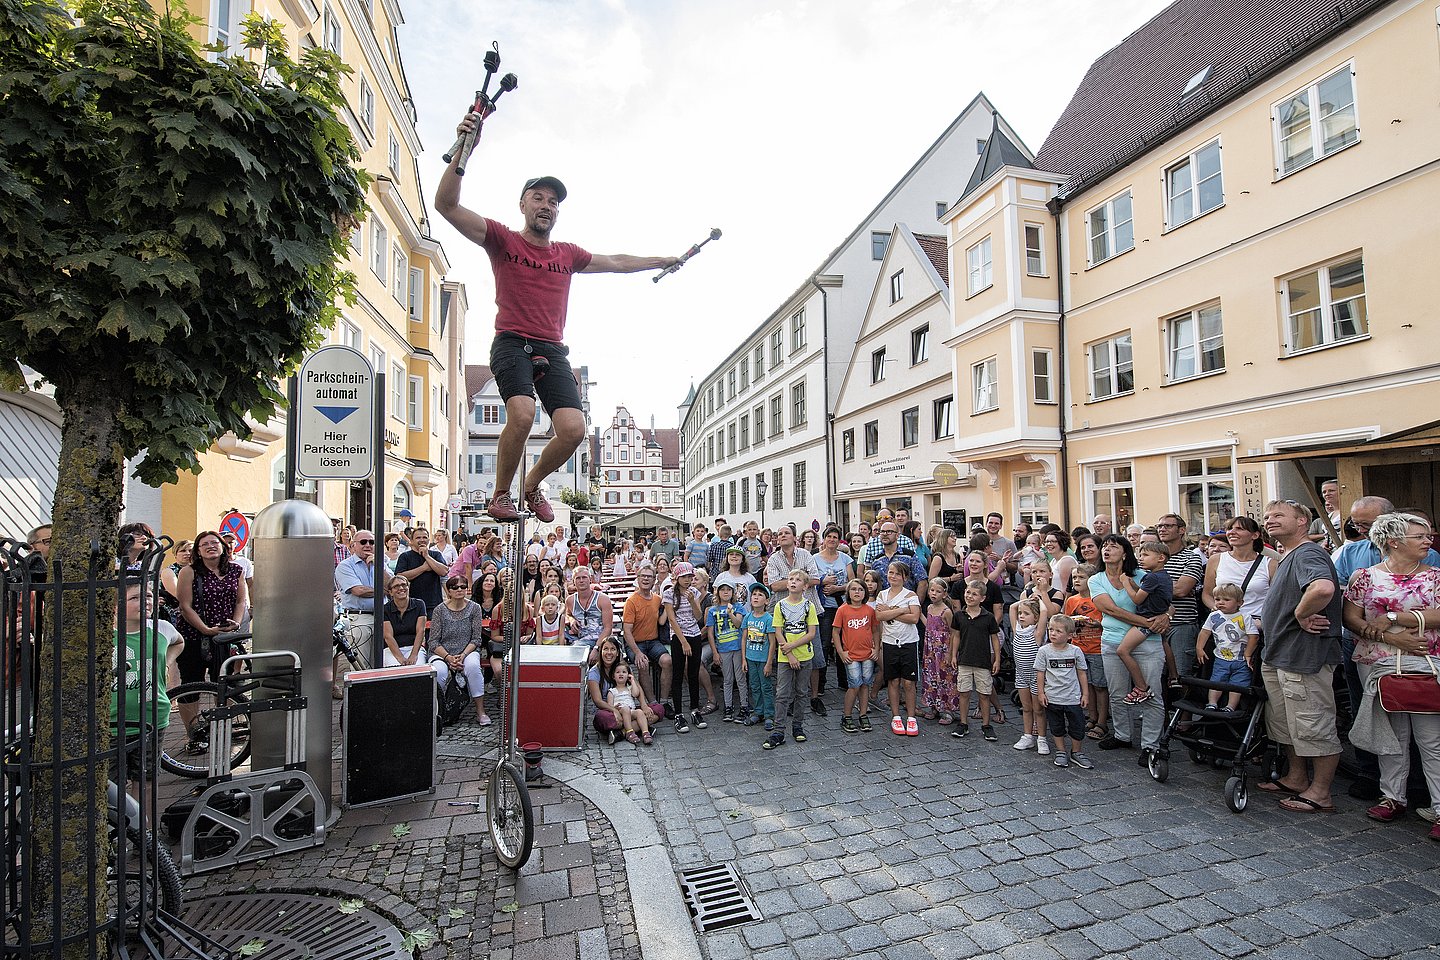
x: 576, y: 499
x: 170, y: 223
x: 172, y: 233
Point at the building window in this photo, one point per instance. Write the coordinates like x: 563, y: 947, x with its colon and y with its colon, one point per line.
x: 1195, y: 343
x: 397, y: 391
x: 877, y: 365
x: 847, y: 445
x: 1193, y: 186
x: 379, y: 249
x: 798, y: 412
x: 490, y: 413
x: 225, y: 26
x: 1206, y: 493
x: 797, y: 332
x: 1042, y: 376
x: 777, y: 489
x: 399, y: 279
x: 910, y: 427
x: 414, y: 409
x: 350, y: 335
x: 331, y: 35
x: 414, y: 297
x: 745, y: 431
x: 759, y: 361
x: 1315, y: 122
x: 759, y: 418
x: 1032, y: 500
x: 1034, y: 250
x: 942, y: 418
x: 744, y: 494
x: 730, y: 384
x: 625, y: 456
x: 357, y: 239
x: 367, y: 104
x: 734, y: 504
x: 878, y: 243
x: 897, y: 286
x: 1111, y: 368
x: 979, y: 147
x: 940, y: 209
x: 872, y: 438
x: 1326, y: 305
x: 1111, y: 228
x: 730, y: 439
x: 1112, y: 492
x: 777, y: 343
x: 798, y: 472
x: 920, y: 345
x: 377, y: 359
x: 637, y: 476
x: 979, y: 267
x: 719, y: 445
x: 987, y: 391
x: 612, y: 496
x: 400, y: 497
x: 637, y: 496
x: 394, y: 155
x: 709, y: 451
x: 776, y: 415
x: 612, y: 476
x: 744, y: 373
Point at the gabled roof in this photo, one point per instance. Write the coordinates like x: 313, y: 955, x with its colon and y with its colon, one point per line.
x: 669, y: 442
x: 476, y: 376
x: 938, y: 252
x: 1000, y: 151
x: 1134, y: 97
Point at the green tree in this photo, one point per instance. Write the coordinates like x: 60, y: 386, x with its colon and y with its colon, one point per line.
x: 576, y: 500
x: 172, y: 230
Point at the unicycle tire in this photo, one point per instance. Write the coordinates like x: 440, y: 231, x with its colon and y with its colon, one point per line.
x: 511, y: 819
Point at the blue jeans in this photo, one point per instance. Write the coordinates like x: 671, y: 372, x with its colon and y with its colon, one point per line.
x: 1150, y: 714
x: 1181, y: 638
x: 762, y: 689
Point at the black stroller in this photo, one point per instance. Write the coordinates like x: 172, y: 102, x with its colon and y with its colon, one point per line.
x: 1219, y: 737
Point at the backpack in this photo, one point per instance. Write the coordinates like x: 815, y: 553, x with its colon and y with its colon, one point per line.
x: 452, y: 701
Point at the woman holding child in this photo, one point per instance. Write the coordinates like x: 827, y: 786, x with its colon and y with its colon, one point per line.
x: 598, y: 683
x: 1109, y: 594
x: 1245, y: 565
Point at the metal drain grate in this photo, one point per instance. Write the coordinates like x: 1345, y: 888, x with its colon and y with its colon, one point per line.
x: 289, y: 926
x: 717, y: 897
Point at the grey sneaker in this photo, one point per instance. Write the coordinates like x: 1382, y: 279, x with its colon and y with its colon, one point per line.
x: 1061, y: 760
x: 1082, y: 761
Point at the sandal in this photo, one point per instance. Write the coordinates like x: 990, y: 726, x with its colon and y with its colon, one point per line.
x: 710, y: 707
x: 999, y: 715
x: 647, y: 739
x: 1096, y: 733
x: 946, y: 719
x: 632, y: 736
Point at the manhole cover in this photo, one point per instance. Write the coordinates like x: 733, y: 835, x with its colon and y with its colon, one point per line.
x: 717, y: 897
x: 292, y: 926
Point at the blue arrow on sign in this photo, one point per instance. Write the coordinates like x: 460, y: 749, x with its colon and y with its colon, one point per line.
x: 336, y: 414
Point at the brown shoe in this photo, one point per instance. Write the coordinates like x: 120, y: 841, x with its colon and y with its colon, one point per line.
x: 502, y: 507
x: 537, y: 503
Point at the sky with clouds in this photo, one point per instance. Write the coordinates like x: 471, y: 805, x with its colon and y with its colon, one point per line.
x: 780, y: 124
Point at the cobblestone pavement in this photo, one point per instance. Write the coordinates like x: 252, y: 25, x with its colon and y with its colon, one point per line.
x: 876, y: 846
x: 439, y: 874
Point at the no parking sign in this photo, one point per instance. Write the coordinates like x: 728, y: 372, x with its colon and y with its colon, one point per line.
x: 238, y: 524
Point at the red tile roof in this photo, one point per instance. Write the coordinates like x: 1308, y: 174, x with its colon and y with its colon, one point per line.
x: 476, y: 376
x: 936, y: 249
x: 669, y: 441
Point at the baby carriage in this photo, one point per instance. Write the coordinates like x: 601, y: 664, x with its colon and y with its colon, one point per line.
x: 1218, y: 737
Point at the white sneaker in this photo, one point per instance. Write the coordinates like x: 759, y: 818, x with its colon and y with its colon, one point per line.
x: 1026, y: 742
x: 1427, y: 814
x: 1043, y: 746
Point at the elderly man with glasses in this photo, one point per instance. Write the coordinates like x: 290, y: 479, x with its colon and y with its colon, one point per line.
x: 355, y: 582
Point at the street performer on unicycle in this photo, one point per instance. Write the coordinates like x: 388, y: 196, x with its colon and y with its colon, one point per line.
x: 532, y: 289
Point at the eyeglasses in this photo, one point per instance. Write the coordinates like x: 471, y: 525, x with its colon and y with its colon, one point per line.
x: 43, y: 542
x: 365, y: 543
x: 1165, y: 526
x: 458, y: 586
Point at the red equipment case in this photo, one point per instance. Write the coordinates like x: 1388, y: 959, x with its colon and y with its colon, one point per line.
x: 552, y: 696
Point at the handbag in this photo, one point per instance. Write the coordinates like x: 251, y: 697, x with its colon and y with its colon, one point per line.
x: 1414, y: 692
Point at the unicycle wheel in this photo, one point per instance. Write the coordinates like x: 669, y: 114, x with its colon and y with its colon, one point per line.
x: 511, y: 819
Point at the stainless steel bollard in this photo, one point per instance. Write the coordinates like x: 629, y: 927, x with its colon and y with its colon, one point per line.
x: 294, y: 610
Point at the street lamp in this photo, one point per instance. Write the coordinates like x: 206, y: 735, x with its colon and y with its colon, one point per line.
x: 761, y: 488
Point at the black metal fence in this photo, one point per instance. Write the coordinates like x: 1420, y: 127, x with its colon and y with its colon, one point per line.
x: 91, y: 749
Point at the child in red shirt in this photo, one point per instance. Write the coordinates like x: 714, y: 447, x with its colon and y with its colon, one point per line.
x: 856, y: 636
x: 1080, y: 608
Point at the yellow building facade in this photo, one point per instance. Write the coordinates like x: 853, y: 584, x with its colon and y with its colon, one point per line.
x: 408, y: 321
x: 1242, y: 282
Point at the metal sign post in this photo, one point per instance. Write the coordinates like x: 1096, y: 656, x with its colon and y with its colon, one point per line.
x: 377, y: 650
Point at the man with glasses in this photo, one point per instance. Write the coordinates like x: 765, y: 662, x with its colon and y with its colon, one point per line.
x: 1187, y: 571
x: 355, y: 582
x: 889, y: 536
x: 876, y: 546
x: 640, y: 622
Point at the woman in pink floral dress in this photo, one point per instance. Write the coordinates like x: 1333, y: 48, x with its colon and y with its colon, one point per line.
x: 1393, y: 608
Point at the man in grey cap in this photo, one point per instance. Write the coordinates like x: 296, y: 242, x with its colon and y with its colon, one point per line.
x: 527, y: 356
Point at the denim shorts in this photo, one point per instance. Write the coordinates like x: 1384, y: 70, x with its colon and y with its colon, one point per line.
x: 1095, y: 667
x: 1232, y: 671
x: 860, y: 673
x: 653, y: 649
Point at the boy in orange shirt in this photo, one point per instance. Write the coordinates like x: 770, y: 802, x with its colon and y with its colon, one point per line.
x: 1080, y: 608
x: 856, y: 639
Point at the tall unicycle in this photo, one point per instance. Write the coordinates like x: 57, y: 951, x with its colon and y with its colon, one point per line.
x: 507, y: 800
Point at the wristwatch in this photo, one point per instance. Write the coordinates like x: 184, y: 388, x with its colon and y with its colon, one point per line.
x: 1394, y: 618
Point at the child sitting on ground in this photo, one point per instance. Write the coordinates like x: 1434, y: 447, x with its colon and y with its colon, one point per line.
x: 551, y: 629
x: 856, y: 639
x: 1236, y: 636
x: 1060, y: 667
x: 1151, y: 593
x: 624, y: 699
x: 975, y: 655
x: 722, y: 633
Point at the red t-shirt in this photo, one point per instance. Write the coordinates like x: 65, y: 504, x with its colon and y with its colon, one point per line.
x: 1088, y: 639
x: 857, y: 630
x: 532, y: 284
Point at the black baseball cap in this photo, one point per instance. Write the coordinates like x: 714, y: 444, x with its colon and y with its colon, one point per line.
x: 552, y: 182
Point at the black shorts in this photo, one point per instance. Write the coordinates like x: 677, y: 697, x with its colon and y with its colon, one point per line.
x: 512, y: 363
x: 900, y: 662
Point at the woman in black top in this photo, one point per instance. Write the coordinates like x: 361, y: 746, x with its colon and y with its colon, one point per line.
x: 404, y: 625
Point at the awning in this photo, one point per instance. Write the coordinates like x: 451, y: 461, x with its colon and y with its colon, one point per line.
x: 1413, y: 438
x: 645, y: 519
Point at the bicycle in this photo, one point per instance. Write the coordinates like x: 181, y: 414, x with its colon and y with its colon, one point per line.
x: 185, y: 746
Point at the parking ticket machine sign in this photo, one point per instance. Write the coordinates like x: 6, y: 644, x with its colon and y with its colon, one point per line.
x: 336, y: 416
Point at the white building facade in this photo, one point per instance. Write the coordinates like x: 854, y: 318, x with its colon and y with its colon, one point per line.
x: 639, y: 468
x: 762, y: 416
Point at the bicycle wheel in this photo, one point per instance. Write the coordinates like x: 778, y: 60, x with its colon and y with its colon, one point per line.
x: 354, y: 654
x: 512, y: 822
x: 147, y: 858
x: 185, y: 743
